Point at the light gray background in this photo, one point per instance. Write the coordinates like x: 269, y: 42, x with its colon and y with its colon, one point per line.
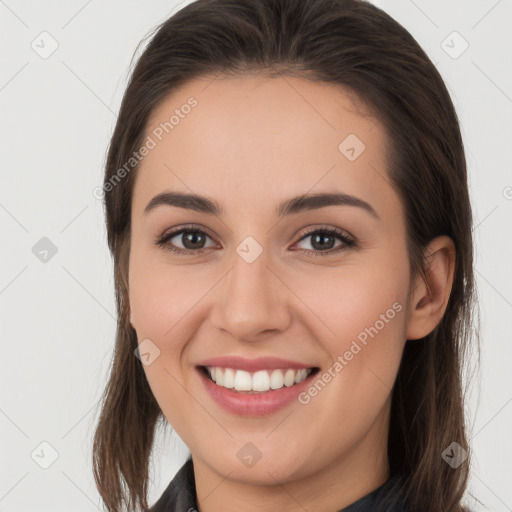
x: 57, y: 317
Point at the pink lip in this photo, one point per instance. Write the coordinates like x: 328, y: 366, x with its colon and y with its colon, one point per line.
x: 253, y: 404
x: 253, y: 365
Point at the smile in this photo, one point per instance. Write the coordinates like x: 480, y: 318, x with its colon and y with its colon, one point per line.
x: 278, y: 388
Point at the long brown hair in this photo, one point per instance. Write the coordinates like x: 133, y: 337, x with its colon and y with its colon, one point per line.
x: 358, y: 46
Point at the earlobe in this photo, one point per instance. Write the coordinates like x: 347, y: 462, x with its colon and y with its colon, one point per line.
x: 430, y: 298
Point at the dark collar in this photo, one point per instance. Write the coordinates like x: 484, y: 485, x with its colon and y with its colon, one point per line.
x: 180, y: 495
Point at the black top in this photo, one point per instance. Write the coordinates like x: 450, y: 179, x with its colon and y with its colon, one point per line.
x: 180, y: 495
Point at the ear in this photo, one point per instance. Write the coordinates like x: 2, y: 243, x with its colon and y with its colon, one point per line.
x: 429, y: 298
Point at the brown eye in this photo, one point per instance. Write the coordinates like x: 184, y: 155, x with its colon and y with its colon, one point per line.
x: 192, y: 239
x: 323, y: 241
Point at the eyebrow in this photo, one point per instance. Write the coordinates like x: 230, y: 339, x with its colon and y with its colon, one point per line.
x: 291, y: 206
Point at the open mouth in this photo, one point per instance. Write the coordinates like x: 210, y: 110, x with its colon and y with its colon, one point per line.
x: 261, y: 381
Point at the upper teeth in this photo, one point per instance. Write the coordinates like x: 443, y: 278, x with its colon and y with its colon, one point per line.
x: 262, y: 380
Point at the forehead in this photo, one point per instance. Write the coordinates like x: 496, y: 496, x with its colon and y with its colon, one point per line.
x: 258, y: 139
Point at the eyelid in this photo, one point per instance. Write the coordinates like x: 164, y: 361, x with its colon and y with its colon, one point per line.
x: 326, y: 227
x: 172, y: 232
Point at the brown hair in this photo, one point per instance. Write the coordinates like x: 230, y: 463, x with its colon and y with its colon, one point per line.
x: 358, y: 46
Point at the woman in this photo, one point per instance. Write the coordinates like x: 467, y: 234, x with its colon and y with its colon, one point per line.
x: 253, y: 137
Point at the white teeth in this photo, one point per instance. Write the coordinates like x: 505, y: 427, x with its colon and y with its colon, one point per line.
x: 219, y: 376
x: 262, y: 380
x: 243, y: 381
x: 289, y: 378
x: 228, y: 378
x: 300, y: 376
x: 276, y: 379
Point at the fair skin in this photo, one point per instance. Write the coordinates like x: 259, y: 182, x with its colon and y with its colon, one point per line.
x: 249, y: 144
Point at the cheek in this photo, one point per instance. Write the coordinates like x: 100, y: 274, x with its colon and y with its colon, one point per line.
x: 359, y: 319
x: 168, y: 304
x: 162, y: 296
x: 347, y: 299
x: 163, y: 303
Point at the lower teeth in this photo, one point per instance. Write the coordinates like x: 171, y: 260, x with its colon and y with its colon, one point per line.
x: 254, y: 392
x: 251, y: 392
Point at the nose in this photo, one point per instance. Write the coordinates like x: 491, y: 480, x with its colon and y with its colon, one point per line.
x: 252, y: 302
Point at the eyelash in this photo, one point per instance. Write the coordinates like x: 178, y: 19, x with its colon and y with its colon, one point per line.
x: 338, y: 233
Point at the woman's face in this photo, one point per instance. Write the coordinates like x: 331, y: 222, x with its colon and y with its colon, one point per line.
x: 260, y: 283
